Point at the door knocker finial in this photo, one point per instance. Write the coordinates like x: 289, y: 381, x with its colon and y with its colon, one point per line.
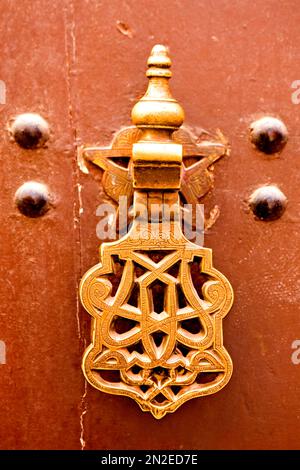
x: 156, y: 333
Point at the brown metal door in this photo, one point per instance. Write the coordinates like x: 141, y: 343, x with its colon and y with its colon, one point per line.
x: 80, y: 65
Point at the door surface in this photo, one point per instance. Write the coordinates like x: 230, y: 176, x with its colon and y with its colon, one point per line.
x: 80, y: 64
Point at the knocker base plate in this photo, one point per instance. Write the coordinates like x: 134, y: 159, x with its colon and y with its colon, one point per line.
x: 156, y: 338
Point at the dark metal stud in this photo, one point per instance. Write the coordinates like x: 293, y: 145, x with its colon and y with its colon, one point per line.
x: 268, y: 203
x: 30, y: 130
x: 268, y: 134
x: 32, y: 199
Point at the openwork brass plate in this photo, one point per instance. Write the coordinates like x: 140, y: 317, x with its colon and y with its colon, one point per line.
x: 172, y: 347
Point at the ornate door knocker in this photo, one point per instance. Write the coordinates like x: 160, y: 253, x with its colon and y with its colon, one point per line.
x: 156, y: 333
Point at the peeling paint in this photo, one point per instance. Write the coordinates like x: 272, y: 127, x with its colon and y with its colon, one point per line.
x: 124, y: 29
x: 81, y: 161
x: 79, y: 188
x: 213, y: 217
x: 82, y: 414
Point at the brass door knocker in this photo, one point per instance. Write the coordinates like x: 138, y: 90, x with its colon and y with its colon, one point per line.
x: 156, y: 334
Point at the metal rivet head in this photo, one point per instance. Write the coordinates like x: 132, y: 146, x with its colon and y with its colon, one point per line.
x: 268, y: 134
x: 268, y: 203
x: 32, y: 199
x: 30, y: 130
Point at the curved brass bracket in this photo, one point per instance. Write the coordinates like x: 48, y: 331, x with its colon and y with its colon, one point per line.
x: 156, y: 302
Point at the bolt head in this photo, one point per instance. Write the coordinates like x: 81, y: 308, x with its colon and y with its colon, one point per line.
x: 30, y: 130
x: 268, y: 203
x: 268, y: 134
x: 32, y: 199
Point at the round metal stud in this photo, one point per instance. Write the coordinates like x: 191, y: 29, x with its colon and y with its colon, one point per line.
x: 268, y: 134
x: 32, y: 199
x: 30, y: 130
x: 268, y: 203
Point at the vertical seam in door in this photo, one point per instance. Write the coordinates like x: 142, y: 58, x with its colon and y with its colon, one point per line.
x: 70, y: 58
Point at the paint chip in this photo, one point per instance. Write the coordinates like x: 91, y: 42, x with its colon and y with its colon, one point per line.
x: 124, y: 29
x: 213, y: 217
x: 81, y: 161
